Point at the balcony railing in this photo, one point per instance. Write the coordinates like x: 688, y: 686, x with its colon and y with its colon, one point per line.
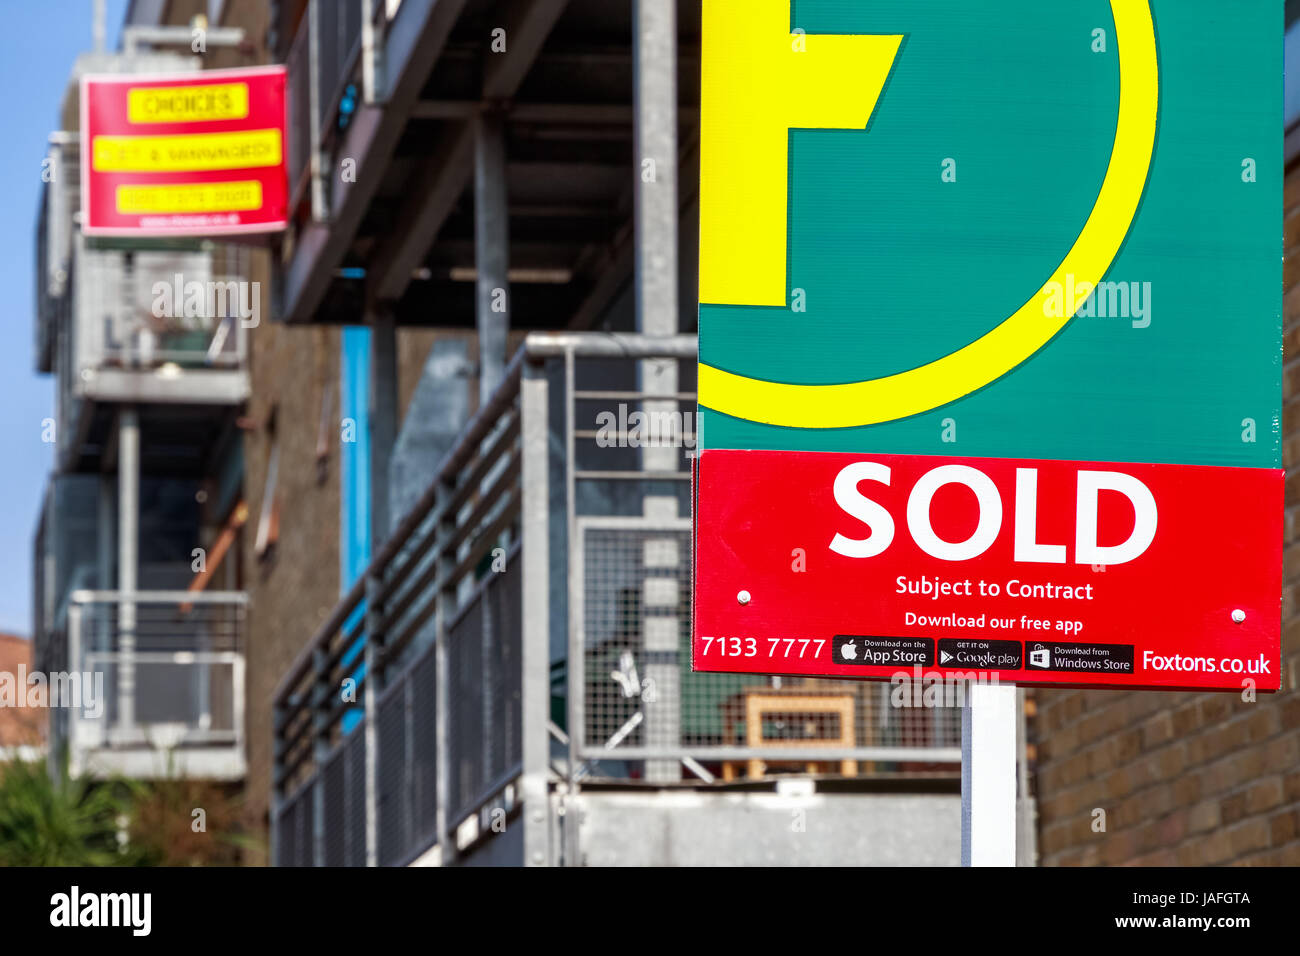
x: 162, y: 684
x: 151, y: 326
x: 527, y: 628
x: 60, y: 197
x: 325, y: 59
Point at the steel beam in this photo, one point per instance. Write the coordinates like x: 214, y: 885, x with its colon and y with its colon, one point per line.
x: 415, y: 40
x: 527, y: 26
x: 444, y: 179
x: 442, y: 182
x: 383, y: 414
x: 491, y: 251
x: 593, y: 114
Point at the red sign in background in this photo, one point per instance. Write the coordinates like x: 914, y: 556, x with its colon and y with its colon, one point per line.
x: 242, y: 196
x: 1199, y: 607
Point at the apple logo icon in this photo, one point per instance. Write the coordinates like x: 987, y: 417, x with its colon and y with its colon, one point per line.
x: 849, y: 651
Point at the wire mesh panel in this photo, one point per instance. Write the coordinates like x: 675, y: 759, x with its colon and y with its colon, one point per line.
x: 466, y: 773
x: 354, y: 756
x: 196, y: 693
x: 294, y: 831
x: 394, y: 792
x: 333, y: 779
x: 636, y: 609
x: 502, y: 673
x: 640, y: 691
x: 484, y: 711
x: 424, y: 763
x: 284, y: 837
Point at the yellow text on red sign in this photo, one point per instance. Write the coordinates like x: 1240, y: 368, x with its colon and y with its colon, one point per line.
x: 196, y: 152
x: 187, y: 104
x: 189, y: 197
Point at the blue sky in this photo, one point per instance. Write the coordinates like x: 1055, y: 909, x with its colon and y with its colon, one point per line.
x: 38, y: 44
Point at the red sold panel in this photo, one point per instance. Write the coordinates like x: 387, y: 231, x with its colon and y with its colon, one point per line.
x: 1036, y: 572
x: 186, y: 154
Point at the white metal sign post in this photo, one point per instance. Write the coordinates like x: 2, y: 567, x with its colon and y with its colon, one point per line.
x: 988, y: 775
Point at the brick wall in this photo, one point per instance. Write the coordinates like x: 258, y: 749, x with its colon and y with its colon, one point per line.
x: 293, y: 589
x: 1187, y: 779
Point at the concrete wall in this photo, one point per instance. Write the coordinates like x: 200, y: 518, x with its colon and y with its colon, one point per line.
x: 1187, y: 779
x: 768, y: 829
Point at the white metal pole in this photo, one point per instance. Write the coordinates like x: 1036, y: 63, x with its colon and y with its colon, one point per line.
x: 654, y: 96
x: 128, y: 542
x: 988, y: 775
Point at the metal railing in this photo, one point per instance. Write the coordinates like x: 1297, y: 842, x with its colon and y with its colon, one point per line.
x: 167, y: 315
x: 161, y: 676
x: 528, y: 626
x: 326, y: 58
x: 440, y: 606
x: 301, y: 134
x: 60, y: 196
x: 170, y: 307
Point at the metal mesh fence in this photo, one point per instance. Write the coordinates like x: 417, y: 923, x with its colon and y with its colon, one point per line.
x: 502, y: 674
x: 199, y: 695
x: 640, y: 690
x: 354, y: 782
x: 465, y: 770
x: 294, y: 832
x: 424, y: 762
x: 334, y: 778
x: 485, y: 684
x: 394, y: 792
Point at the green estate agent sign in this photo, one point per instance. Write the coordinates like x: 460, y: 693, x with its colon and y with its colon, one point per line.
x: 910, y: 231
x: 990, y: 339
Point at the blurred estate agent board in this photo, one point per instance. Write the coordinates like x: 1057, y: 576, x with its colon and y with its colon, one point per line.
x: 990, y: 341
x: 190, y: 154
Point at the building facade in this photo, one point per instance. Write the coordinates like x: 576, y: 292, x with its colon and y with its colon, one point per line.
x: 501, y: 198
x: 138, y: 584
x: 405, y: 560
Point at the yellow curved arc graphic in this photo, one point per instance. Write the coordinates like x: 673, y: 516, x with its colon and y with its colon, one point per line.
x: 1024, y: 332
